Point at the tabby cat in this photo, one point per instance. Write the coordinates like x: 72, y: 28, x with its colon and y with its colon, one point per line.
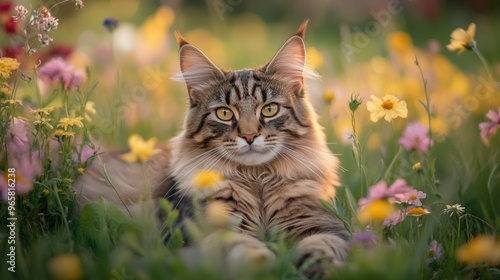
x: 258, y: 129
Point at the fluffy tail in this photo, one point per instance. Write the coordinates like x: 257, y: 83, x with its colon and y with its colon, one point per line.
x: 122, y: 183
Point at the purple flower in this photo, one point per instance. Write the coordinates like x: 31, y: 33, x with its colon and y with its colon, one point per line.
x: 415, y: 137
x: 435, y: 251
x: 366, y: 239
x: 17, y: 137
x: 490, y: 128
x: 381, y: 191
x: 110, y: 24
x: 57, y: 70
x: 394, y: 219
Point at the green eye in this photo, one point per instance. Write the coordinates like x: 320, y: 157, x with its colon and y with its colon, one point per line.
x: 270, y: 110
x: 224, y: 114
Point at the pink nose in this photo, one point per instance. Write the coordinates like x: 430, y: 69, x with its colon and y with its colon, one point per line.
x: 249, y: 137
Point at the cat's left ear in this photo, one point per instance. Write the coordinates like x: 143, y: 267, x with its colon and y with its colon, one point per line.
x: 289, y: 63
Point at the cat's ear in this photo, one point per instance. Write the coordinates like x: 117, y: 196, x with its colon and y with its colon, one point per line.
x: 289, y: 63
x: 197, y: 70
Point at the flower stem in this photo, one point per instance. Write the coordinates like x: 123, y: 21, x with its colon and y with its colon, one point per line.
x: 483, y: 60
x: 427, y: 107
x: 358, y: 152
x: 108, y: 179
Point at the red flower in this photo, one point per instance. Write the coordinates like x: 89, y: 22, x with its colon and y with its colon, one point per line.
x: 5, y: 7
x: 10, y: 26
x: 60, y: 50
x: 12, y: 51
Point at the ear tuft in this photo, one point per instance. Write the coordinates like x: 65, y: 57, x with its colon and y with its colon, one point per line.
x: 289, y: 63
x: 301, y: 32
x: 180, y: 39
x: 197, y: 71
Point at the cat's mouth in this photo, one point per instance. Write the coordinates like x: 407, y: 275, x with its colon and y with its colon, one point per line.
x: 254, y: 155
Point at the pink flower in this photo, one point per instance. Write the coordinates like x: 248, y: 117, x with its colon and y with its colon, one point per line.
x: 412, y: 197
x: 381, y: 191
x: 74, y: 80
x: 415, y: 137
x: 490, y: 128
x: 435, y: 251
x: 394, y: 219
x: 26, y: 170
x: 17, y: 137
x: 52, y: 70
x: 57, y: 70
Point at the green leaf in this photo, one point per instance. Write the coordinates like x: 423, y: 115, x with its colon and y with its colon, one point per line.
x: 391, y: 165
x: 490, y: 179
x: 176, y: 240
x: 101, y: 224
x: 337, y: 212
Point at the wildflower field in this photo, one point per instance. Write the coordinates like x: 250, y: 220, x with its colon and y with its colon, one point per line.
x: 409, y: 99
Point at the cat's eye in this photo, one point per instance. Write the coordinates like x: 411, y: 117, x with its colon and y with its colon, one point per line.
x: 224, y: 114
x: 270, y: 110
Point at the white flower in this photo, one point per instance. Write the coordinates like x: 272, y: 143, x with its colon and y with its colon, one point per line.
x: 20, y: 13
x: 79, y: 4
x: 455, y: 208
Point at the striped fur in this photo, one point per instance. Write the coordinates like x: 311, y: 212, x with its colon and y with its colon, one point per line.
x: 276, y: 181
x: 276, y: 184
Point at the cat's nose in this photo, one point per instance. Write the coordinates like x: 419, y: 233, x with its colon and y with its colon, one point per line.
x: 249, y: 137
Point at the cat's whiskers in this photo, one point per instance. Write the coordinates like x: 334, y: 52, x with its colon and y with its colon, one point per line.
x: 305, y: 161
x: 217, y: 159
x: 208, y: 156
x: 185, y: 164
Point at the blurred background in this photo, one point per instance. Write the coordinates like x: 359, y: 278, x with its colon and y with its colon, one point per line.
x: 357, y: 46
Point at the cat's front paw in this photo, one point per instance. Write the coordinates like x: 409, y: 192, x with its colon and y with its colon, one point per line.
x: 319, y: 253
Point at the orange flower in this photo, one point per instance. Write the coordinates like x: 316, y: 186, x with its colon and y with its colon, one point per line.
x: 482, y: 249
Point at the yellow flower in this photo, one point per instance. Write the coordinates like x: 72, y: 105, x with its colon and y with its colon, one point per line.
x: 417, y: 212
x: 5, y: 88
x: 417, y: 166
x: 462, y: 40
x: 314, y: 58
x: 62, y: 133
x: 207, y: 179
x: 377, y: 211
x: 218, y: 213
x: 66, y: 267
x: 43, y: 122
x: 58, y: 133
x: 65, y: 122
x: 399, y: 42
x: 80, y: 170
x: 329, y: 96
x: 45, y: 191
x: 90, y: 110
x: 140, y: 150
x: 13, y: 102
x: 482, y: 249
x: 389, y: 107
x: 42, y: 111
x: 6, y: 66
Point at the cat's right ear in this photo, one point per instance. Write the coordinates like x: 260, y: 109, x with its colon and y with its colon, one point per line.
x: 197, y: 70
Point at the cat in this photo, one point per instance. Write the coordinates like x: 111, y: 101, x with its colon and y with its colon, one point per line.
x: 258, y: 129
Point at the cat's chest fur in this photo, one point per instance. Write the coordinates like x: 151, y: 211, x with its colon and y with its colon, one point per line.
x: 267, y: 202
